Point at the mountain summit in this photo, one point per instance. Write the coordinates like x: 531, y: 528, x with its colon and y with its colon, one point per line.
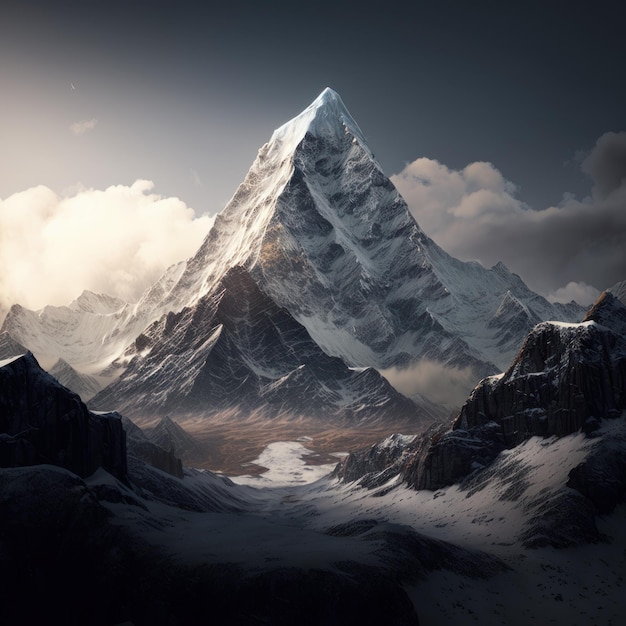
x: 324, y: 234
x: 326, y: 115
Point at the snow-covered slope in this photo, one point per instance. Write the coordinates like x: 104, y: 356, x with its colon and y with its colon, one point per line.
x: 88, y: 337
x: 325, y: 234
x: 235, y: 350
x: 9, y: 347
x: 93, y: 332
x: 84, y: 385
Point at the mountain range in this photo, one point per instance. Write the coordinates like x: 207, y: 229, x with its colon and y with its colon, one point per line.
x: 457, y: 526
x: 312, y: 279
x: 323, y: 235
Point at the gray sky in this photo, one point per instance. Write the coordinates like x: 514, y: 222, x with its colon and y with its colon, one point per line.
x: 99, y: 94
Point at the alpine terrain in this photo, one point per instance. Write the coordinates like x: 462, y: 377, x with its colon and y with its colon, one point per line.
x: 338, y: 499
x: 319, y: 234
x: 514, y: 515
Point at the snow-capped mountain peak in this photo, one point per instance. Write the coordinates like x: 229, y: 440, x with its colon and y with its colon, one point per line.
x: 324, y: 234
x: 325, y: 116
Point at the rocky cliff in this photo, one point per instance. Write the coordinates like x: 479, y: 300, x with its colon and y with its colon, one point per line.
x: 42, y: 422
x: 566, y: 378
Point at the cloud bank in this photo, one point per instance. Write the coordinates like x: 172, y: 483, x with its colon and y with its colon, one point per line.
x: 445, y: 386
x: 564, y: 252
x: 117, y: 241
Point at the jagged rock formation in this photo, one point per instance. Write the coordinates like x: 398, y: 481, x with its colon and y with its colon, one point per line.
x: 237, y: 351
x: 610, y: 309
x: 43, y: 422
x: 374, y: 465
x: 566, y: 378
x: 84, y: 385
x: 451, y: 456
x: 169, y: 435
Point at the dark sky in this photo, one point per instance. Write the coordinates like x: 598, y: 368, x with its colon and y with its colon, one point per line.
x: 182, y: 94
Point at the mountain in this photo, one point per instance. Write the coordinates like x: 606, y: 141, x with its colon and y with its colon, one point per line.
x: 138, y: 545
x: 169, y: 435
x: 84, y: 385
x: 324, y: 235
x: 92, y: 333
x: 43, y: 422
x: 567, y: 380
x: 236, y: 351
x: 82, y: 542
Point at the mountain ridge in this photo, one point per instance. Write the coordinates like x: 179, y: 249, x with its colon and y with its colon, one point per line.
x: 325, y: 234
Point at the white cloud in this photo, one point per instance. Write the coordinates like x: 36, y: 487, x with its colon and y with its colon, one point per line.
x: 446, y: 386
x: 580, y: 292
x: 117, y: 241
x: 79, y: 128
x: 474, y: 215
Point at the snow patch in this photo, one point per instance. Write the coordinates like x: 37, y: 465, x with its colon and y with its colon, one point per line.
x: 285, y: 466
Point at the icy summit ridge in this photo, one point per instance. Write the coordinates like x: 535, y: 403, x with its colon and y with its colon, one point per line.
x: 326, y: 115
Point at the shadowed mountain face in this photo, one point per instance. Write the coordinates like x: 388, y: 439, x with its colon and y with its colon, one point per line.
x: 237, y: 350
x: 43, y: 422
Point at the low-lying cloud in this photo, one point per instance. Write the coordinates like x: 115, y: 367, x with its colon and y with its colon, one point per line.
x: 445, y: 386
x: 115, y: 241
x: 565, y: 251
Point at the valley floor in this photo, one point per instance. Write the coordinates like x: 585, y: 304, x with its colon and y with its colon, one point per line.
x: 295, y: 545
x: 477, y: 568
x: 582, y: 584
x: 230, y: 445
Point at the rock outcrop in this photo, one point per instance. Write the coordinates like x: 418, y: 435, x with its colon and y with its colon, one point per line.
x: 566, y: 377
x: 451, y: 456
x: 374, y: 465
x: 43, y: 422
x: 601, y: 477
